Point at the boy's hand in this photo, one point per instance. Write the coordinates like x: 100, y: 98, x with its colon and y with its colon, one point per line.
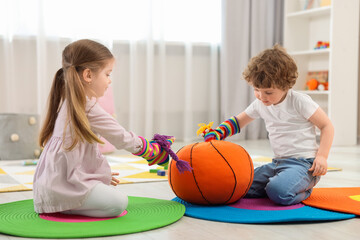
x: 114, y: 181
x: 319, y: 166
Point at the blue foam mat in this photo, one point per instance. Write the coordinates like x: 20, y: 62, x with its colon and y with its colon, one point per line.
x: 237, y: 215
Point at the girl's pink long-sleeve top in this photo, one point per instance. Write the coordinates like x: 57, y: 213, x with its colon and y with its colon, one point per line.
x: 64, y: 178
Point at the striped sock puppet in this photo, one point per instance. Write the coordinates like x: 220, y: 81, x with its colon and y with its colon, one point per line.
x: 224, y: 130
x: 154, y: 153
x: 158, y: 151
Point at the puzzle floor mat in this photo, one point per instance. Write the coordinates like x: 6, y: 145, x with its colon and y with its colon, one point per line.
x: 14, y: 176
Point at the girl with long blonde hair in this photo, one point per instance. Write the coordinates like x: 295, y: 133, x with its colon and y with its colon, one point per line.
x: 72, y: 176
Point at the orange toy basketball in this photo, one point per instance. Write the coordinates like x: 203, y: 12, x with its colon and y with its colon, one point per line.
x: 222, y: 173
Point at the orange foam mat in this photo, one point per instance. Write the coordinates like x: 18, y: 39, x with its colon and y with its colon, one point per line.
x: 345, y: 200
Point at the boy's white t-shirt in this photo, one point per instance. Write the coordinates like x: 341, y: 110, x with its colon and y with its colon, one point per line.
x: 291, y: 134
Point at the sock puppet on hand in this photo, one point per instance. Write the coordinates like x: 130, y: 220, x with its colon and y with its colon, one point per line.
x: 158, y: 151
x: 224, y: 130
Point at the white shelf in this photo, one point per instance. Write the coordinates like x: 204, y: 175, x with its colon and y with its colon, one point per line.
x: 338, y: 24
x: 315, y: 12
x: 315, y: 92
x: 311, y: 52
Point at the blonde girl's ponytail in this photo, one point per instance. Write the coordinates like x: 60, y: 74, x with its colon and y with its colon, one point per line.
x: 56, y: 97
x: 76, y: 102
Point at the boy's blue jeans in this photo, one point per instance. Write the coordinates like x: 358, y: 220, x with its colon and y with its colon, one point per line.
x: 284, y: 181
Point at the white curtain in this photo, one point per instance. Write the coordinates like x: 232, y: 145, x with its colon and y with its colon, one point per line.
x: 248, y: 27
x: 172, y: 70
x: 165, y: 79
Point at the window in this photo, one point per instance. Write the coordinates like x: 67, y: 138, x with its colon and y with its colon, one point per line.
x: 170, y: 20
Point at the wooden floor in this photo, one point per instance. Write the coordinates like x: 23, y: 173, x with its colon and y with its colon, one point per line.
x: 347, y: 158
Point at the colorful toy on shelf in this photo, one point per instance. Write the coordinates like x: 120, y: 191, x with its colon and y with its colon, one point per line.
x: 312, y: 84
x: 322, y: 45
x: 317, y: 80
x: 323, y: 86
x: 222, y: 173
x: 324, y: 3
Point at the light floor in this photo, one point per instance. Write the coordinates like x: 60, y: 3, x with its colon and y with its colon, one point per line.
x: 347, y: 158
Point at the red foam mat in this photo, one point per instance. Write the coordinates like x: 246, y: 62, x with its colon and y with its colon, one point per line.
x: 345, y: 200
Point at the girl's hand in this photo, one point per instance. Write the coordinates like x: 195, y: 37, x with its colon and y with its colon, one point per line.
x: 114, y: 181
x: 319, y: 166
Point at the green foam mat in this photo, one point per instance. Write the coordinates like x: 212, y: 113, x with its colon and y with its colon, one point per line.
x: 19, y: 219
